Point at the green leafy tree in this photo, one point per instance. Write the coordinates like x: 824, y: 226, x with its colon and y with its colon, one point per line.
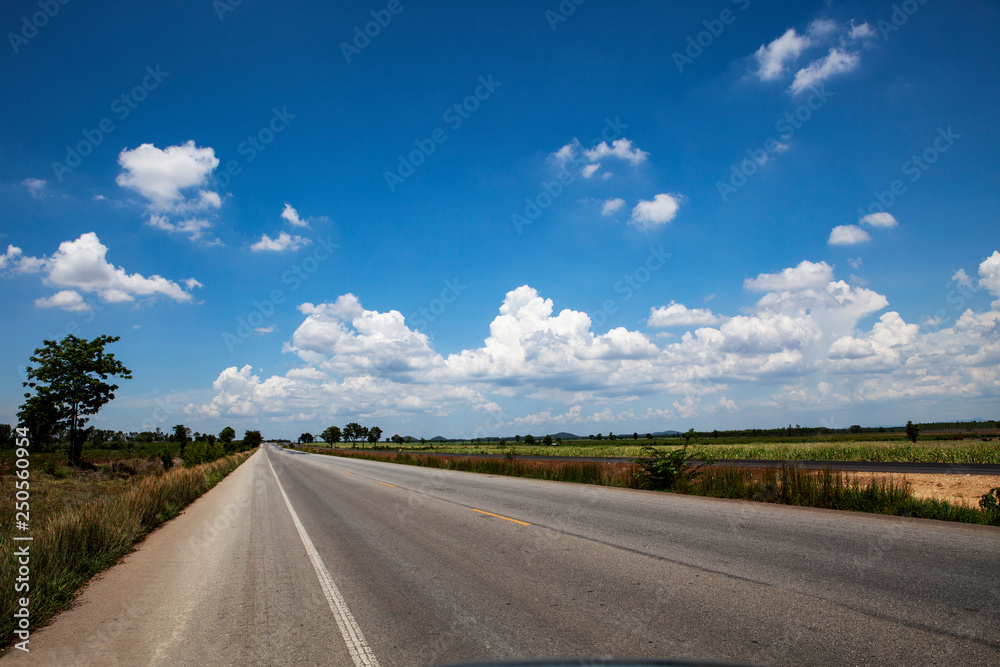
x: 362, y: 435
x: 331, y: 435
x: 181, y: 433
x: 69, y: 383
x: 6, y: 436
x: 912, y: 431
x: 397, y: 439
x: 227, y: 435
x: 251, y: 439
x: 306, y: 438
x: 547, y: 440
x: 529, y: 439
x: 374, y: 435
x: 352, y: 432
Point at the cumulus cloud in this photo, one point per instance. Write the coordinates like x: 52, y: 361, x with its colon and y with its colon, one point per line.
x: 590, y: 160
x: 284, y: 242
x: 161, y: 176
x: 962, y: 279
x: 678, y: 315
x: 834, y: 63
x: 291, y: 216
x: 807, y: 275
x: 82, y: 265
x: 848, y: 235
x: 772, y: 59
x: 65, y: 299
x: 612, y: 205
x: 802, y: 336
x: 176, y: 182
x: 653, y: 214
x: 883, y: 220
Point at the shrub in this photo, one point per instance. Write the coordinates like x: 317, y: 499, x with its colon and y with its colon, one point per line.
x: 990, y: 504
x: 663, y: 470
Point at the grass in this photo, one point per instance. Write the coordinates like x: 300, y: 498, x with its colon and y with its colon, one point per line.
x: 789, y: 485
x: 897, y: 450
x: 82, y: 522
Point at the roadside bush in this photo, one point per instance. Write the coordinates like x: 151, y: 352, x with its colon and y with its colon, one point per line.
x: 663, y: 470
x: 990, y: 504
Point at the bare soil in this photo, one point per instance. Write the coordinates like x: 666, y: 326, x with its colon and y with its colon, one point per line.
x: 955, y: 489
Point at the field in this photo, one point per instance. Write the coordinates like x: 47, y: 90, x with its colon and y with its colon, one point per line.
x: 940, y: 449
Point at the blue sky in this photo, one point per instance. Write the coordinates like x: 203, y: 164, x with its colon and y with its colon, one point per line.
x: 490, y: 218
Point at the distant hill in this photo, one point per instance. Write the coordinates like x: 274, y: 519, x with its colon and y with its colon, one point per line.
x: 438, y: 438
x: 658, y: 433
x: 565, y: 436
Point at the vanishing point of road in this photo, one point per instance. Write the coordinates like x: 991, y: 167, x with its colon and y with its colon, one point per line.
x: 315, y: 560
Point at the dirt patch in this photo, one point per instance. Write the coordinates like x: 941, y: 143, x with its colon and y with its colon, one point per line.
x: 956, y: 489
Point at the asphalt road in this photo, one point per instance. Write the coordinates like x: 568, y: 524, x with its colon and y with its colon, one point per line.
x: 415, y: 566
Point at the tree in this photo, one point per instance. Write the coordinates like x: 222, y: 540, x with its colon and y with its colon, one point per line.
x: 635, y: 436
x: 397, y: 439
x: 855, y: 428
x: 374, y: 435
x: 306, y: 438
x: 912, y: 431
x: 331, y: 435
x: 252, y: 439
x: 547, y: 440
x: 227, y: 435
x: 181, y: 433
x: 362, y: 435
x: 6, y: 437
x: 352, y: 432
x: 69, y: 383
x: 529, y: 439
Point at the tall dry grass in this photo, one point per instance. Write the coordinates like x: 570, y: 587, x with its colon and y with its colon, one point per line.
x: 76, y: 542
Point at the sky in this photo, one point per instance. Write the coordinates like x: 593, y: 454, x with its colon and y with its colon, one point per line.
x: 481, y: 219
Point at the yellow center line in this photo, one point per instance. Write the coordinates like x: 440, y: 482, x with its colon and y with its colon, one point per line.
x: 347, y: 471
x: 387, y: 484
x: 505, y: 518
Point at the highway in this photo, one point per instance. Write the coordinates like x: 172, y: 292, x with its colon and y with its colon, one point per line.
x: 315, y: 560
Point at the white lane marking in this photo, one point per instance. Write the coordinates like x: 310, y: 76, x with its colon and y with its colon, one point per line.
x: 359, y: 649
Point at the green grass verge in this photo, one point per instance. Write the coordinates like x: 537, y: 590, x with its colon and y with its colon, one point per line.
x: 789, y: 485
x: 81, y: 539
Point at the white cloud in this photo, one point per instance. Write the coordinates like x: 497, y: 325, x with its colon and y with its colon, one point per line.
x: 848, y: 235
x: 65, y: 299
x: 822, y: 28
x: 283, y: 242
x: 855, y: 262
x: 652, y: 214
x: 801, y: 336
x: 612, y: 205
x: 82, y: 265
x: 807, y: 275
x: 36, y: 186
x: 861, y: 32
x: 264, y: 330
x: 619, y: 148
x: 883, y: 220
x: 962, y: 279
x: 291, y: 216
x: 590, y: 160
x: 818, y: 71
x: 773, y: 58
x: 194, y: 228
x: 678, y: 315
x: 989, y: 272
x: 162, y: 176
